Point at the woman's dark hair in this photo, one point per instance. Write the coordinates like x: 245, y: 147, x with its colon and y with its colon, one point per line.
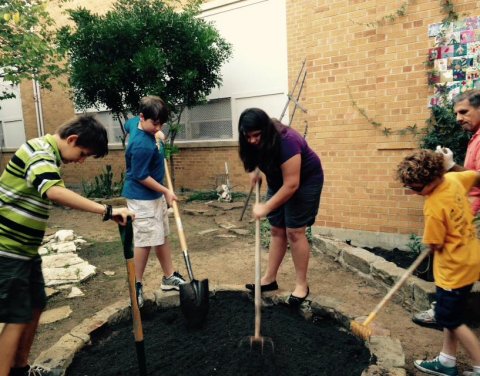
x: 267, y: 155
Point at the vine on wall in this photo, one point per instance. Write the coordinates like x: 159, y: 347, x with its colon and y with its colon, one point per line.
x: 448, y: 8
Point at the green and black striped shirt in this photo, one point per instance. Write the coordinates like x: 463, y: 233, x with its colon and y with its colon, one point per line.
x: 24, y: 206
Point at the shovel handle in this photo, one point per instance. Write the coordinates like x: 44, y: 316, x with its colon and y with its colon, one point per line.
x: 246, y: 202
x: 178, y: 221
x: 248, y: 197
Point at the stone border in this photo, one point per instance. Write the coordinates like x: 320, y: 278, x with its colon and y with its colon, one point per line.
x: 415, y: 293
x: 388, y: 351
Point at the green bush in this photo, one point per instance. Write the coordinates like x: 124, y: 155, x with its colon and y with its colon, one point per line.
x: 415, y: 244
x: 442, y: 129
x: 103, y: 185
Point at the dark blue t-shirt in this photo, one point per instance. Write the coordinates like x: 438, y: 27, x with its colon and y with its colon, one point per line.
x: 142, y: 159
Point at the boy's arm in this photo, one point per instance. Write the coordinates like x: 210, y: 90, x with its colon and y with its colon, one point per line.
x: 435, y: 248
x: 66, y: 197
x: 477, y: 180
x: 155, y: 186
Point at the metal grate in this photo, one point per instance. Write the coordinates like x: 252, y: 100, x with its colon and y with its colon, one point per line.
x: 210, y: 121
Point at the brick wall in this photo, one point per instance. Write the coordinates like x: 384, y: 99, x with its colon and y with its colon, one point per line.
x: 384, y: 69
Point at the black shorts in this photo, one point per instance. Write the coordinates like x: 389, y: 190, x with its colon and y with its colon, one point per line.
x: 300, y: 210
x: 22, y: 289
x: 450, y: 307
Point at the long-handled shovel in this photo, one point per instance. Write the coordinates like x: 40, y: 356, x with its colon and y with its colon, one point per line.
x: 362, y: 329
x: 126, y: 234
x: 194, y: 294
x: 258, y: 340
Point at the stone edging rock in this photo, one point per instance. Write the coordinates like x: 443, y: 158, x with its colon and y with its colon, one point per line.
x: 388, y: 351
x: 415, y: 293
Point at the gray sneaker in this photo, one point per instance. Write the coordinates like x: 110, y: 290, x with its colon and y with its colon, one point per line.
x: 38, y: 371
x: 139, y: 290
x: 173, y: 282
x: 426, y: 318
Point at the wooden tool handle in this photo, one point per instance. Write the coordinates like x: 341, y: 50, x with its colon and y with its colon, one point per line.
x: 397, y: 285
x: 178, y: 221
x: 258, y: 269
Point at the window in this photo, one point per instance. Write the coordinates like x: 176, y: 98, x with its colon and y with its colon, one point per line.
x: 112, y: 125
x: 210, y: 121
x: 12, y: 130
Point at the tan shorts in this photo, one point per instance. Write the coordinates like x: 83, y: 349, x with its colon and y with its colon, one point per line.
x: 150, y: 227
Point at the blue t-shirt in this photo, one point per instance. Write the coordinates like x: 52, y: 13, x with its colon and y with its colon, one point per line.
x: 292, y: 143
x: 142, y: 159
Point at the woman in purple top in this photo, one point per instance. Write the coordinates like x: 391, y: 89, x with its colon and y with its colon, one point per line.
x: 295, y: 179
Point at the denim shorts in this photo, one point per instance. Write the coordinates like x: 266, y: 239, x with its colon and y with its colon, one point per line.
x: 22, y: 289
x: 451, y: 306
x: 150, y: 227
x: 300, y: 210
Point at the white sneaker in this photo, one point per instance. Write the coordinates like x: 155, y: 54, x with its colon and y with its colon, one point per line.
x: 426, y: 318
x: 173, y: 282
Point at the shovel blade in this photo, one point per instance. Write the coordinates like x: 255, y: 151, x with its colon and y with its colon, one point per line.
x: 194, y: 297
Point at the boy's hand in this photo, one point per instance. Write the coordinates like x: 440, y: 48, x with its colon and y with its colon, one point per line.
x: 448, y: 161
x: 170, y: 197
x: 120, y: 215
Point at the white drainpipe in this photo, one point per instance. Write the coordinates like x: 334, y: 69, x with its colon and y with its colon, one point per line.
x: 38, y: 108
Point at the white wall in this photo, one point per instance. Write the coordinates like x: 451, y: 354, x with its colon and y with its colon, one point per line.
x: 257, y: 73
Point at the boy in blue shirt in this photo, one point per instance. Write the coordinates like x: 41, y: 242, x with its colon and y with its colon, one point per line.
x: 146, y: 195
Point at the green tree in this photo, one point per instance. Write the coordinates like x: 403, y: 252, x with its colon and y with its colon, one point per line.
x: 27, y: 43
x: 143, y: 47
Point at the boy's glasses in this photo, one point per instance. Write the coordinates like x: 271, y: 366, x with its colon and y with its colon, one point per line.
x: 415, y: 188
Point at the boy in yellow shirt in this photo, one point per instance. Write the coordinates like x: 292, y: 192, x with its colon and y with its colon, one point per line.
x: 450, y: 233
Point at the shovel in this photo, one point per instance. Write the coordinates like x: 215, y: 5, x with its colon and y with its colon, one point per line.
x: 258, y: 341
x: 194, y: 294
x: 126, y: 234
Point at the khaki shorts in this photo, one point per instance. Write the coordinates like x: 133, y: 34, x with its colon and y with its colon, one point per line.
x: 150, y: 227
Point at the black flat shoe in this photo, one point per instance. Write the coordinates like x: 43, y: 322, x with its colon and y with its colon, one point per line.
x: 263, y: 288
x: 295, y: 301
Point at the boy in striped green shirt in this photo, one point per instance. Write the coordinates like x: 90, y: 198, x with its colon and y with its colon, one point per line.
x: 28, y: 185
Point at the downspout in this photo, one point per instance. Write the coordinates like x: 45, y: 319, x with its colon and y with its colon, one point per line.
x: 38, y: 108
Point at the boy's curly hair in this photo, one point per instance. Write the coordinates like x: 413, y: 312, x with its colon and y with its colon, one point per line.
x: 420, y: 167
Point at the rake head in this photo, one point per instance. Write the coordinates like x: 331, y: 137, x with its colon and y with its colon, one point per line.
x: 259, y: 344
x: 361, y: 330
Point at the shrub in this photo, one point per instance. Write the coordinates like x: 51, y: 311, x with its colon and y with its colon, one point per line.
x: 103, y: 185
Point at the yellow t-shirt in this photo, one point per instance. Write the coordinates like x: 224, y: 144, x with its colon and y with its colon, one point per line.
x: 449, y: 222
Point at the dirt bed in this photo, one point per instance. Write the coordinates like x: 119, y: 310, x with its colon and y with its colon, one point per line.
x: 224, y: 258
x: 222, y: 345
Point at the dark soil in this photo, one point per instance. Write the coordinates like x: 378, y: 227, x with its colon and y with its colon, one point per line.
x: 301, y: 347
x: 404, y: 259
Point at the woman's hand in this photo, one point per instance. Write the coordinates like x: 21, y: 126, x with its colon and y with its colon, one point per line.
x: 254, y: 177
x: 260, y: 211
x: 120, y: 215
